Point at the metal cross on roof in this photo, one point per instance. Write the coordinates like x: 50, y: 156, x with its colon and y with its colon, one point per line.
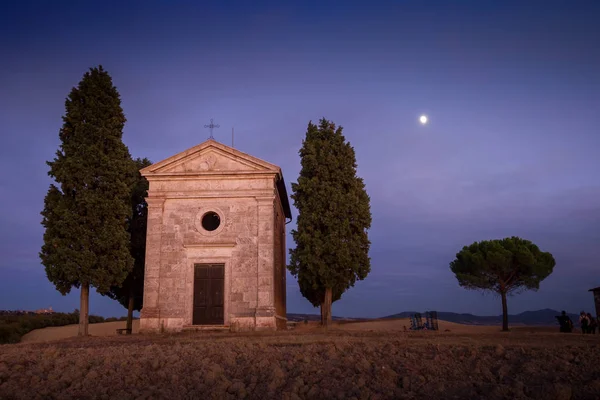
x: 211, y: 126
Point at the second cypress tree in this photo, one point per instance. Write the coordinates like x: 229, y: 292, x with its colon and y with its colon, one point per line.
x: 334, y: 215
x: 131, y: 292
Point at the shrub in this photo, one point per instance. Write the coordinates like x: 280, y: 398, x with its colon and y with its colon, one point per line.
x: 94, y: 319
x: 10, y: 333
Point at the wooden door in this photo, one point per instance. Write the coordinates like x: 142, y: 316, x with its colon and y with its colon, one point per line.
x: 209, y: 282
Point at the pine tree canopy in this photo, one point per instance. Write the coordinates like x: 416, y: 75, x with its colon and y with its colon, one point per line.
x: 505, y: 265
x: 334, y: 216
x: 502, y: 266
x: 87, y: 209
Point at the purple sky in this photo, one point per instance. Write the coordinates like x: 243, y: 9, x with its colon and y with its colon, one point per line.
x: 512, y: 90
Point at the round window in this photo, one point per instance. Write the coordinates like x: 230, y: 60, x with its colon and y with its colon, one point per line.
x: 211, y: 221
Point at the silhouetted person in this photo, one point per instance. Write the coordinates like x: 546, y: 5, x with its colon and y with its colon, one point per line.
x: 592, y: 324
x: 584, y: 322
x: 566, y: 325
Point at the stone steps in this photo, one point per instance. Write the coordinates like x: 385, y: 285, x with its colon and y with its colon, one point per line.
x: 206, y: 328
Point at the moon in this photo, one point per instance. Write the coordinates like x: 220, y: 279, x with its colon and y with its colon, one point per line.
x: 423, y: 119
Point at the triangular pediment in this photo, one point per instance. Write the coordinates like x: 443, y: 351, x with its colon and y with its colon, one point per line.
x: 210, y: 157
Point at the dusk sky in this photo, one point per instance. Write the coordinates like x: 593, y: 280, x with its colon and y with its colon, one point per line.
x: 512, y: 91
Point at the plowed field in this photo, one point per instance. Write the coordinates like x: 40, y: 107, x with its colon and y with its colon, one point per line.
x: 351, y: 361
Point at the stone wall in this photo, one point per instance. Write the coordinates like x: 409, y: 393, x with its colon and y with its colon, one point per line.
x: 248, y: 242
x: 279, y: 272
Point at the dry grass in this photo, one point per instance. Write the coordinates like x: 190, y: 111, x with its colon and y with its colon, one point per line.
x: 401, y: 323
x: 370, y: 360
x: 109, y: 329
x: 69, y: 331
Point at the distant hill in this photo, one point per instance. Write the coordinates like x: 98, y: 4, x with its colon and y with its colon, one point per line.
x: 541, y: 317
x: 317, y: 317
x: 546, y: 317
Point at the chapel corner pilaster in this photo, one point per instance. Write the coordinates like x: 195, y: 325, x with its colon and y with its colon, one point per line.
x: 153, y: 255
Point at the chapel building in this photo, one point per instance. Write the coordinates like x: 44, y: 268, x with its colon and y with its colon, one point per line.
x: 215, y: 247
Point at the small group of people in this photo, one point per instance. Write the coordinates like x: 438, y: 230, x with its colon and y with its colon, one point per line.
x: 588, y: 323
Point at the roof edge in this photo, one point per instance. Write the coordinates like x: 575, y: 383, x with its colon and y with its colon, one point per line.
x: 283, y: 197
x: 204, y: 145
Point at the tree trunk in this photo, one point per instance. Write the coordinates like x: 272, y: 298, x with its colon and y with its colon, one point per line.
x: 130, y: 312
x: 322, y: 314
x: 84, y: 309
x: 326, y: 308
x: 504, y: 312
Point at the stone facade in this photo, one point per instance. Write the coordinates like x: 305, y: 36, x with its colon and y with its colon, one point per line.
x: 249, y: 197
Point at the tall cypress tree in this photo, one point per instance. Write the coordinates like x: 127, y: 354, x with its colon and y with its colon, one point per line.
x: 86, y: 242
x: 131, y: 292
x: 332, y: 244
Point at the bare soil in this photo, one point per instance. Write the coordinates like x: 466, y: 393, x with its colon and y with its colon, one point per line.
x: 374, y: 360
